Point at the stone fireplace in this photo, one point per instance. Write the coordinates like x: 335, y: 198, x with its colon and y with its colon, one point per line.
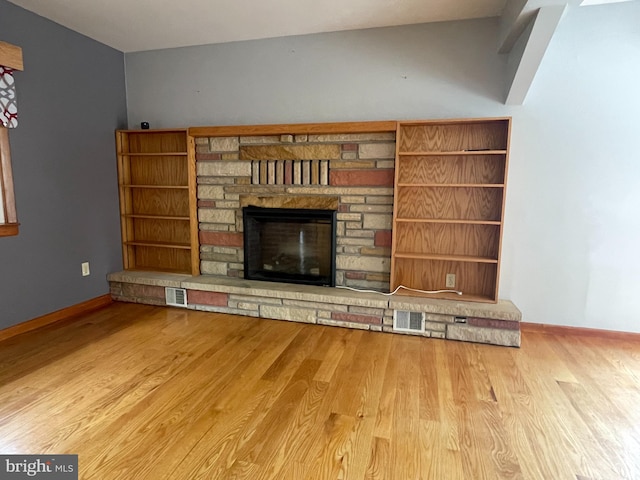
x: 350, y: 174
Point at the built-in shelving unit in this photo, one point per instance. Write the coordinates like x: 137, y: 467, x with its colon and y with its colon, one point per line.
x: 157, y: 201
x: 449, y: 196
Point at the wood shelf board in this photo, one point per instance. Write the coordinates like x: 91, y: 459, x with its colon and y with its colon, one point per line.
x: 453, y: 185
x: 448, y: 220
x: 448, y: 296
x: 155, y: 257
x: 451, y: 121
x: 154, y: 130
x: 153, y: 154
x: 445, y: 257
x: 156, y: 217
x: 165, y: 202
x: 158, y: 170
x: 294, y: 129
x: 447, y: 241
x: 180, y: 246
x: 452, y: 153
x: 466, y: 203
x: 472, y: 278
x: 160, y: 231
x: 152, y: 142
x: 144, y: 268
x: 171, y: 187
x: 474, y: 137
x: 449, y: 170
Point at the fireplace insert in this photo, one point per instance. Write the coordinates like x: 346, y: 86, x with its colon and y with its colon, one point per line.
x: 290, y: 245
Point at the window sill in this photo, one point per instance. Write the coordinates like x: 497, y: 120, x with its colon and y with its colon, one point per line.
x: 9, y: 229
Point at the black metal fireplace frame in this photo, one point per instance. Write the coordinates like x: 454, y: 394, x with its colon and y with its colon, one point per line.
x: 295, y: 215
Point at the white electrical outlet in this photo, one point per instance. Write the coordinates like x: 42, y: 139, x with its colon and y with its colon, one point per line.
x: 85, y: 269
x: 450, y: 280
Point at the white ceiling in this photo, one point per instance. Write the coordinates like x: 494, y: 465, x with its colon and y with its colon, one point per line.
x: 135, y: 25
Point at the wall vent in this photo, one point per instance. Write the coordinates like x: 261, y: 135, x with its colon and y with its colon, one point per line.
x: 405, y: 321
x: 176, y: 297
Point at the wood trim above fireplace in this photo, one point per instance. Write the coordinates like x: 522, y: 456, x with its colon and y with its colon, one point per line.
x: 317, y: 202
x: 295, y: 129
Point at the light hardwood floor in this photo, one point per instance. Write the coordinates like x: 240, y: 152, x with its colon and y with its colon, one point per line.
x: 142, y: 392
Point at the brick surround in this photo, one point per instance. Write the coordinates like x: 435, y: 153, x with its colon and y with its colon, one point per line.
x: 352, y: 173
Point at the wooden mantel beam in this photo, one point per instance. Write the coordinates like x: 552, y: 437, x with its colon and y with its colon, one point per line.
x: 294, y: 129
x: 11, y: 56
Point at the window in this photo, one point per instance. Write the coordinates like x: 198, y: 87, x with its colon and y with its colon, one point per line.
x: 10, y: 60
x: 8, y: 217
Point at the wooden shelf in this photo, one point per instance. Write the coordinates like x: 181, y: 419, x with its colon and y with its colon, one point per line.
x: 453, y: 258
x: 157, y: 177
x: 472, y: 278
x: 463, y: 203
x: 450, y: 170
x: 152, y: 154
x: 146, y: 268
x: 157, y: 217
x: 448, y: 220
x: 172, y: 187
x: 452, y: 185
x: 449, y: 191
x: 452, y: 153
x: 146, y: 131
x: 449, y: 296
x: 181, y: 246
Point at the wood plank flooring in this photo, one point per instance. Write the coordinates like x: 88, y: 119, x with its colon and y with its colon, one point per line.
x: 142, y: 392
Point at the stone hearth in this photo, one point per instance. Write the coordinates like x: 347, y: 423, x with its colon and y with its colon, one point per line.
x: 497, y: 324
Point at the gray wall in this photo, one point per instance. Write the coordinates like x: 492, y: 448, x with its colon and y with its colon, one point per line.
x: 71, y: 98
x: 573, y: 226
x: 572, y: 232
x: 416, y: 71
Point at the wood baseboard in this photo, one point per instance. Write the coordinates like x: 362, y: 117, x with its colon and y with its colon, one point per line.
x: 526, y: 327
x: 57, y: 316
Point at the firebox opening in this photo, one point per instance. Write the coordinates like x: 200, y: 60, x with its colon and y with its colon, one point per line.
x: 290, y: 245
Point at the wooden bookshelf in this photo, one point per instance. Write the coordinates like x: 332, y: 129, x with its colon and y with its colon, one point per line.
x: 449, y: 191
x: 157, y: 201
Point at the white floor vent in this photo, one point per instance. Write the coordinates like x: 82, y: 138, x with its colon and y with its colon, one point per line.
x: 405, y: 321
x: 176, y: 297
